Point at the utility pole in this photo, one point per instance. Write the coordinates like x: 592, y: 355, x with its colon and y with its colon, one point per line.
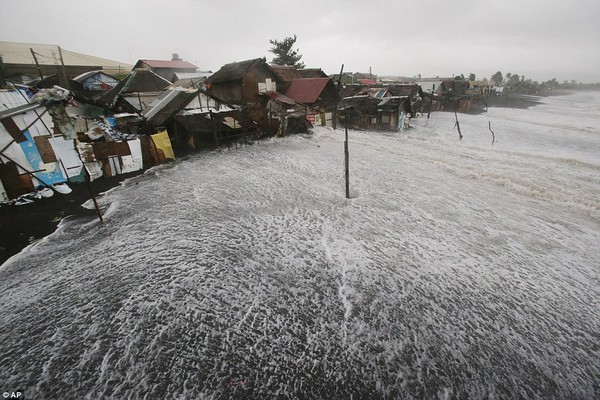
x: 338, y: 87
x: 346, y: 156
x: 37, y: 63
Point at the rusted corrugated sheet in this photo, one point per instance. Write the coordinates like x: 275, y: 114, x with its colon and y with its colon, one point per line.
x: 306, y: 90
x: 103, y: 150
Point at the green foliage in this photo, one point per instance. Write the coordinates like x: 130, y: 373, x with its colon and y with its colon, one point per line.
x: 284, y: 54
x: 497, y: 78
x: 472, y: 77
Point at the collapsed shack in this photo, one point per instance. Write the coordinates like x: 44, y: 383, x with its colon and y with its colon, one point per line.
x: 46, y: 145
x: 450, y: 95
x: 198, y: 120
x: 285, y: 115
x: 372, y: 113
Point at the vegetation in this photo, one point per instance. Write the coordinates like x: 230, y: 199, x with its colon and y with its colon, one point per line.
x: 519, y: 84
x: 284, y: 54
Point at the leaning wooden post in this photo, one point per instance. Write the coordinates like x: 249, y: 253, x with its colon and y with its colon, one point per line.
x: 37, y: 64
x: 346, y: 156
x: 89, y: 185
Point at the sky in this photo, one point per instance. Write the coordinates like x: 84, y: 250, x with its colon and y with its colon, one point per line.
x: 539, y: 39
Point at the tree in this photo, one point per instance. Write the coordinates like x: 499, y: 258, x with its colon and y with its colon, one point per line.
x: 497, y: 78
x: 284, y: 54
x: 472, y: 77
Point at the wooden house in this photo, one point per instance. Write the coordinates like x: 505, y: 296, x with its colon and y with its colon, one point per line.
x: 286, y: 74
x: 319, y: 95
x: 312, y: 73
x: 241, y: 83
x: 367, y: 112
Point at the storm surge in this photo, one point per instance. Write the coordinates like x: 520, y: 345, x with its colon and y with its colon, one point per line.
x: 458, y: 269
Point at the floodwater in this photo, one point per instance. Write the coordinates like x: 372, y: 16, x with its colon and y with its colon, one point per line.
x: 457, y: 269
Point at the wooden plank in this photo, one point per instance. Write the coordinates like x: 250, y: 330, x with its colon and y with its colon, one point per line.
x: 103, y: 150
x: 14, y: 131
x: 14, y: 184
x: 45, y: 149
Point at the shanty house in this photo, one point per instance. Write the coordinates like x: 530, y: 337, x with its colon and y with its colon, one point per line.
x: 241, y: 83
x: 37, y: 148
x: 318, y: 94
x: 135, y: 92
x: 286, y: 74
x: 91, y: 85
x: 167, y: 68
x: 367, y: 112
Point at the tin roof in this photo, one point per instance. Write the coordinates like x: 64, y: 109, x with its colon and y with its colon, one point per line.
x: 307, y: 90
x: 85, y: 75
x: 167, y: 104
x: 176, y: 64
x: 48, y: 54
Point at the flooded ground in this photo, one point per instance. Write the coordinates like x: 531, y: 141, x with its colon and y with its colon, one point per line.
x: 458, y: 269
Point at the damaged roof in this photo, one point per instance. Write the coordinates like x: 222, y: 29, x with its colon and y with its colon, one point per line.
x: 235, y: 71
x: 173, y: 64
x: 139, y: 80
x: 85, y: 75
x: 286, y: 73
x: 307, y: 90
x: 170, y: 102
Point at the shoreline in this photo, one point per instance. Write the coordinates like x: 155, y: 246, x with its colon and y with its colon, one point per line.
x: 23, y: 225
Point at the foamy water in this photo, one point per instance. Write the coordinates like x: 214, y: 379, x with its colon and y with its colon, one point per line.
x: 458, y: 269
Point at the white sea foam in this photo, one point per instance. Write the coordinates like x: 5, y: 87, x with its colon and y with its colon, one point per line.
x: 461, y: 270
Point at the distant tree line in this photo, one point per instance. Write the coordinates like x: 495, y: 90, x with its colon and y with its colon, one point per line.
x: 518, y: 84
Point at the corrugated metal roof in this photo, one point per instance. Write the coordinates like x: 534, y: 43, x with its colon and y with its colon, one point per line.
x: 12, y: 98
x: 279, y: 97
x: 48, y: 54
x: 168, y: 103
x: 306, y: 90
x: 18, y: 110
x: 169, y: 64
x: 85, y: 75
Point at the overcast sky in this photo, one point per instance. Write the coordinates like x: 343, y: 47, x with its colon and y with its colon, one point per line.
x: 541, y: 39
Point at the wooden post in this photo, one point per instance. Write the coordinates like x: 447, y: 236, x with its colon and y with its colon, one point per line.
x: 346, y: 156
x: 431, y: 101
x: 64, y: 81
x: 37, y: 63
x: 339, y: 86
x: 2, y: 81
x: 89, y: 185
x: 214, y: 125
